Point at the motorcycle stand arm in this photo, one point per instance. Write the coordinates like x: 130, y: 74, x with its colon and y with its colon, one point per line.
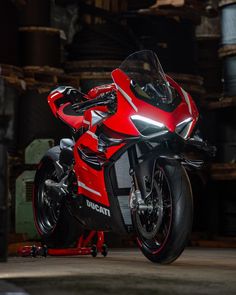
x: 84, y: 247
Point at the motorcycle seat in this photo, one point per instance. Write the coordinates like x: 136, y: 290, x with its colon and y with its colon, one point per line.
x: 70, y: 117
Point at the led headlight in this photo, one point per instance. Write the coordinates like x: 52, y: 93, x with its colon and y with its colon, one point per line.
x: 148, y: 126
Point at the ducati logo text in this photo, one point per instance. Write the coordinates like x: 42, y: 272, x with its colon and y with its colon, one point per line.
x: 98, y: 208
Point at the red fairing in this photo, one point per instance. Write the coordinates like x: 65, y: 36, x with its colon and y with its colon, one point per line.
x: 189, y: 101
x: 52, y: 98
x: 91, y: 182
x: 129, y: 105
x: 75, y: 121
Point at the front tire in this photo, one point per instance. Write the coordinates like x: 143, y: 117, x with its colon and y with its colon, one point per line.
x: 163, y: 233
x: 54, y: 223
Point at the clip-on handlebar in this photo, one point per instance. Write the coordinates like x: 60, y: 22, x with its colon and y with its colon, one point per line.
x: 106, y: 99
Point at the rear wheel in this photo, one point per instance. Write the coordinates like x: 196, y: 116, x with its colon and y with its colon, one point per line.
x: 163, y: 232
x: 56, y: 226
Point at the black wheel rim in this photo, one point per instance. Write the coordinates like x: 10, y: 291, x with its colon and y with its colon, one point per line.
x: 48, y: 205
x: 153, y: 227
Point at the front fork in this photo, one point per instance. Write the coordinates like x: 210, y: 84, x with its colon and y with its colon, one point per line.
x: 137, y: 201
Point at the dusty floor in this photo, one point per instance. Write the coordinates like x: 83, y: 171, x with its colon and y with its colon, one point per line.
x: 197, y: 271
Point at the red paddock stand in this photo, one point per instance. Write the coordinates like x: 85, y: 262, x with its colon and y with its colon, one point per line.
x: 83, y: 248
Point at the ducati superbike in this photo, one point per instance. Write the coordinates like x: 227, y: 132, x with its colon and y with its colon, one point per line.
x: 143, y: 120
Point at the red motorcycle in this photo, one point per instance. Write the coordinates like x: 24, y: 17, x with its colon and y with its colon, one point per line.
x: 142, y: 123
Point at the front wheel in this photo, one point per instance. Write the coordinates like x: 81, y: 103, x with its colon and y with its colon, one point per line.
x: 163, y: 232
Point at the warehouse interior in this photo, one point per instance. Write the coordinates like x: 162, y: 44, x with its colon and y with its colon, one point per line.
x: 50, y: 43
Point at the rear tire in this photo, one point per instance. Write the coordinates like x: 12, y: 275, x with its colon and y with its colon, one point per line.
x: 56, y: 226
x: 163, y: 234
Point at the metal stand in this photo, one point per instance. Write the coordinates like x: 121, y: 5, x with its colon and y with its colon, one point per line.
x: 83, y: 248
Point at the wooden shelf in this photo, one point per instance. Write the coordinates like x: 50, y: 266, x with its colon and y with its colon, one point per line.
x: 222, y: 171
x: 177, y: 3
x: 221, y: 103
x: 190, y: 9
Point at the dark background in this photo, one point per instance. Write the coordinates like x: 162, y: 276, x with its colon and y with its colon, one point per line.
x: 47, y: 43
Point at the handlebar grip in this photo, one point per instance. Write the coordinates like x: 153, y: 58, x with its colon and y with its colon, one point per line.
x: 102, y: 100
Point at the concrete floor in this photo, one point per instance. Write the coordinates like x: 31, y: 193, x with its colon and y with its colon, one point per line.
x: 197, y: 271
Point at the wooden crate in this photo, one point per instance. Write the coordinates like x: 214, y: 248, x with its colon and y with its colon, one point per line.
x: 12, y: 75
x: 43, y: 75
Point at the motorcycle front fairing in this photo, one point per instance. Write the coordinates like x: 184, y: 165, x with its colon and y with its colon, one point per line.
x: 158, y: 113
x: 147, y: 95
x: 137, y: 118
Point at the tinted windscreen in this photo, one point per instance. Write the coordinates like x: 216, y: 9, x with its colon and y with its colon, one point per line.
x: 148, y: 80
